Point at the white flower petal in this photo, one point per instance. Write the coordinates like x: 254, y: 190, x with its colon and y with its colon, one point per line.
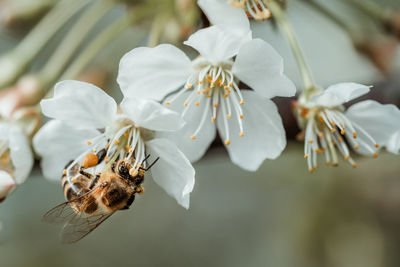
x: 393, y: 145
x: 59, y: 143
x: 215, y: 44
x: 153, y: 72
x: 151, y: 115
x: 21, y: 155
x: 339, y: 94
x: 7, y: 183
x: 224, y: 15
x: 259, y: 66
x: 193, y: 149
x: 382, y: 122
x: 80, y: 105
x: 173, y: 171
x: 264, y: 135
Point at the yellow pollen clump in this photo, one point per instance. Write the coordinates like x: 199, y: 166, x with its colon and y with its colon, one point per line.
x: 333, y: 130
x: 241, y: 102
x: 241, y: 134
x: 230, y: 85
x: 127, y: 148
x: 354, y: 165
x: 305, y: 156
x: 133, y: 172
x: 106, y: 158
x: 226, y: 88
x: 189, y: 86
x: 310, y: 170
x: 89, y: 143
x: 213, y: 119
x: 375, y: 155
x: 342, y: 132
x: 356, y: 146
x: 90, y: 160
x: 241, y: 116
x: 355, y: 135
x: 94, y: 150
x: 116, y: 141
x: 192, y: 137
x: 376, y: 145
x: 227, y: 142
x: 65, y: 172
x: 215, y: 105
x: 228, y: 116
x: 346, y: 158
x: 197, y: 104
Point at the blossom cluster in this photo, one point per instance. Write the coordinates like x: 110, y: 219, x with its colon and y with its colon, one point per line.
x: 174, y: 106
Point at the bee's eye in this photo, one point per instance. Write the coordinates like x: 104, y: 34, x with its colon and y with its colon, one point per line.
x: 123, y: 171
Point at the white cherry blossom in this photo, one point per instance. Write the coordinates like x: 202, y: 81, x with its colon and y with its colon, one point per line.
x: 207, y: 92
x: 16, y: 159
x: 87, y: 121
x: 365, y: 127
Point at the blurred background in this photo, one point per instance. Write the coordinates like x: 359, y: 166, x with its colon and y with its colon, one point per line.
x: 280, y: 215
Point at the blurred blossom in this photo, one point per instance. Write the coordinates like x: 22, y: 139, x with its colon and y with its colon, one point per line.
x: 16, y: 159
x: 247, y: 120
x: 88, y: 127
x: 367, y: 126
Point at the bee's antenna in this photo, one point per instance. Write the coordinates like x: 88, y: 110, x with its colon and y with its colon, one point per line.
x: 146, y: 158
x: 151, y: 165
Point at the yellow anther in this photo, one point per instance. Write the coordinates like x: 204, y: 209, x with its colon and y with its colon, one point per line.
x: 316, y: 167
x: 200, y: 82
x: 215, y: 105
x: 225, y: 96
x: 342, y: 132
x: 64, y: 172
x: 208, y: 89
x: 356, y: 146
x: 227, y: 142
x: 106, y: 158
x: 89, y: 143
x: 346, y: 158
x: 94, y: 150
x: 167, y: 103
x: 192, y: 137
x: 241, y: 102
x: 127, y: 148
x: 213, y: 119
x: 333, y: 130
x: 204, y: 91
x: 197, y: 104
x: 305, y: 156
x: 198, y: 92
x: 226, y: 88
x: 74, y: 180
x: 354, y: 165
x: 321, y: 134
x: 241, y: 116
x: 133, y: 172
x: 375, y: 155
x: 189, y: 86
x: 311, y: 141
x: 355, y: 135
x: 116, y: 141
x: 376, y: 145
x: 185, y: 104
x: 328, y: 163
x: 230, y: 85
x: 228, y: 116
x: 335, y: 164
x: 241, y: 134
x: 310, y: 170
x: 340, y: 139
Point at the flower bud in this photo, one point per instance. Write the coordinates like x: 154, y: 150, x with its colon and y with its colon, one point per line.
x: 7, y: 183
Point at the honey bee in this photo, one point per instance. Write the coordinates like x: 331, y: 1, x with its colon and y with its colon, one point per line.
x: 91, y: 199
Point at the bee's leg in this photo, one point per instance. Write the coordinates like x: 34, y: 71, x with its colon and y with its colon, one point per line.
x: 86, y: 174
x: 101, y: 155
x: 93, y: 183
x: 129, y: 202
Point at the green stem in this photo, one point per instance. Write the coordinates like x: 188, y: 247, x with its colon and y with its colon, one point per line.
x: 39, y: 36
x: 73, y: 39
x: 108, y: 35
x: 288, y: 32
x: 373, y: 9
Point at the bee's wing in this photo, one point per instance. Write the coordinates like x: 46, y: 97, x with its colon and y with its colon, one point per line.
x: 81, y: 225
x: 63, y: 212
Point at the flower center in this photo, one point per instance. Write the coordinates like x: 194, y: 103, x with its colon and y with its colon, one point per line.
x: 5, y: 157
x: 255, y: 9
x: 114, y: 145
x: 216, y: 86
x: 324, y: 132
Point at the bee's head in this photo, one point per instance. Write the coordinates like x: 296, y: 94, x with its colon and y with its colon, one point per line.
x: 124, y: 171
